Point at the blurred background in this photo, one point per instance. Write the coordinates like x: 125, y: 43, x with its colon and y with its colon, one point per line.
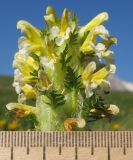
x: 120, y: 24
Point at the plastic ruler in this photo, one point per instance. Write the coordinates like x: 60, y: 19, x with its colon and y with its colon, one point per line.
x: 73, y: 145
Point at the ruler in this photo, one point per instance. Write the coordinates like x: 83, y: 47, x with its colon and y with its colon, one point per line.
x: 73, y: 145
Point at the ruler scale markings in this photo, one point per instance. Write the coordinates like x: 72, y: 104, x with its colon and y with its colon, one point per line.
x: 105, y: 140
x: 40, y: 135
x: 14, y: 138
x: 21, y: 139
x: 60, y: 148
x: 12, y: 153
x: 5, y: 139
x: 28, y: 143
x: 114, y: 140
x: 63, y: 139
x: 53, y: 135
x: 124, y: 145
x: 73, y: 138
x: 121, y: 140
x: 109, y: 158
x: 98, y: 139
x: 82, y: 139
x: 50, y: 139
x: 92, y: 144
x: 34, y: 138
x: 95, y: 139
x: 9, y: 139
x: 127, y: 139
x: 76, y: 147
x: 76, y: 153
x: 31, y: 139
x: 78, y: 139
x: 117, y: 135
x: 38, y: 140
x: 70, y: 139
x: 18, y: 139
x: 2, y: 140
x: 44, y: 152
x: 66, y: 139
x: 88, y: 139
x: 44, y: 140
x: 24, y: 139
x: 74, y: 142
x: 85, y: 139
x: 102, y: 139
x: 110, y: 139
x: 130, y: 139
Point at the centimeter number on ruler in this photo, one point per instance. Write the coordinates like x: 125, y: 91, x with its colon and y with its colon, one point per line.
x: 74, y: 145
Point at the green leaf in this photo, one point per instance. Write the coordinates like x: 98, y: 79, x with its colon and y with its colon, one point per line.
x: 72, y: 80
x: 65, y: 58
x: 73, y: 38
x: 56, y: 98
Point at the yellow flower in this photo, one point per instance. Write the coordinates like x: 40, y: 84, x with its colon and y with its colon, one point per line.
x: 92, y: 80
x: 64, y: 21
x: 2, y: 122
x: 98, y: 20
x: 51, y: 17
x: 33, y: 38
x: 26, y: 65
x: 116, y: 126
x: 29, y: 92
x: 90, y: 41
x: 22, y: 109
x: 13, y: 125
x: 68, y: 123
x: 61, y: 33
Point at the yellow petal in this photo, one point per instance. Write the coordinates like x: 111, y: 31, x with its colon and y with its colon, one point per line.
x: 64, y: 21
x: 22, y: 109
x: 50, y: 10
x: 98, y: 20
x: 29, y: 92
x: 103, y: 73
x: 88, y: 71
x: 51, y: 17
x: 25, y: 65
x: 91, y: 38
x: 30, y: 31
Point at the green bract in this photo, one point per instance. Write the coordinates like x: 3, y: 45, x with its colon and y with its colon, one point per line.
x: 63, y: 69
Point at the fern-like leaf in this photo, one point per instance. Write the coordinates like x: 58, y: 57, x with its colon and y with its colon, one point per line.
x: 72, y: 80
x: 56, y: 98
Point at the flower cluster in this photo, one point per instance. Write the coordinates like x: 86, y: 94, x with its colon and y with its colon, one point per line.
x: 62, y: 71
